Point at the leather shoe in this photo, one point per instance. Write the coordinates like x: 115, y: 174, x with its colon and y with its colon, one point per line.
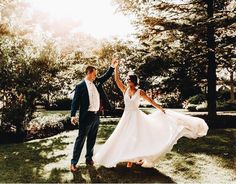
x: 90, y: 162
x: 73, y: 168
x: 129, y: 164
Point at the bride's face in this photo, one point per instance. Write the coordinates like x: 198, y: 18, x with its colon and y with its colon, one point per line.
x: 129, y: 82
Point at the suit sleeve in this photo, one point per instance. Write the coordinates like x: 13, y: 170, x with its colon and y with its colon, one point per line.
x: 75, y: 101
x: 106, y: 75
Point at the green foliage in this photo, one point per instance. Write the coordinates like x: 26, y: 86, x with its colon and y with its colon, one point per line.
x: 197, y: 99
x: 27, y: 72
x: 177, y: 33
x: 44, y: 161
x: 191, y: 107
x: 171, y: 101
x: 202, y: 106
x: 61, y: 104
x: 220, y: 106
x: 225, y: 106
x: 126, y: 52
x: 223, y: 95
x: 198, y: 102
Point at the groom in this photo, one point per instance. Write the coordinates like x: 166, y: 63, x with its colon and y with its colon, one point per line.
x: 87, y: 97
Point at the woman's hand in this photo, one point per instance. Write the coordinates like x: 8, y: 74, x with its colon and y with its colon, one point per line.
x: 163, y: 110
x: 115, y: 62
x: 119, y: 83
x: 154, y: 104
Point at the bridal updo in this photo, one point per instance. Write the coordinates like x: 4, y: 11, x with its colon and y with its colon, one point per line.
x: 133, y: 78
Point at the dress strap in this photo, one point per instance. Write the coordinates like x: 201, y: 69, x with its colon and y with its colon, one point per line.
x: 126, y: 90
x: 138, y: 91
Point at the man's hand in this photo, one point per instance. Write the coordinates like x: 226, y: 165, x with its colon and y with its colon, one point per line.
x: 114, y: 62
x: 74, y: 120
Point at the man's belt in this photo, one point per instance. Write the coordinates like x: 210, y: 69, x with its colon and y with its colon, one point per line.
x: 93, y: 112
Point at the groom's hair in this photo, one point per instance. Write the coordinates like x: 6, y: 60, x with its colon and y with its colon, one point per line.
x: 90, y: 69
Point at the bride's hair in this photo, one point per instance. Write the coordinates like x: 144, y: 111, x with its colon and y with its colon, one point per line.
x: 133, y: 78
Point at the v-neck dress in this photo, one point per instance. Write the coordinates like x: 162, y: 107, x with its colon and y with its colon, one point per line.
x: 139, y: 136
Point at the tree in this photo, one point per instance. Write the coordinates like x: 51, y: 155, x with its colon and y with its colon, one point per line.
x: 31, y: 72
x: 226, y: 53
x: 27, y: 71
x: 211, y: 78
x: 126, y: 52
x: 166, y: 22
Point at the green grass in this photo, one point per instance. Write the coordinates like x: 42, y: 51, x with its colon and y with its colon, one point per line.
x: 218, y: 142
x: 210, y: 159
x: 23, y: 162
x: 47, y: 112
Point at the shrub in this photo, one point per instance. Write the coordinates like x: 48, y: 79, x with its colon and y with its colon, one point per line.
x: 171, y: 102
x: 61, y: 104
x: 223, y: 95
x: 27, y: 72
x: 220, y: 106
x: 225, y: 106
x: 191, y: 107
x: 197, y: 99
x: 45, y: 126
x: 202, y: 107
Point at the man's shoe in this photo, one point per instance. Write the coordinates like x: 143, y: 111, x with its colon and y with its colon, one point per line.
x: 129, y: 164
x: 89, y: 162
x: 73, y: 168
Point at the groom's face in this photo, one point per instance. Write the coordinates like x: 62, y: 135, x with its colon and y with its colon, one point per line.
x: 93, y: 74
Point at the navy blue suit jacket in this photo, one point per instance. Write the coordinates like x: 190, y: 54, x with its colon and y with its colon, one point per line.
x: 81, y: 97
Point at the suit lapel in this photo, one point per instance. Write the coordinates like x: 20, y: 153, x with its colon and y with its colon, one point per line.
x: 86, y: 89
x: 96, y: 83
x: 86, y: 95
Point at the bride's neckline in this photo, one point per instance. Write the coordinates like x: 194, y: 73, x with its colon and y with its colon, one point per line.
x: 131, y: 95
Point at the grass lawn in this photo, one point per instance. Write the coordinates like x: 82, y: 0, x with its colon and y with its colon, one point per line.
x: 211, y: 159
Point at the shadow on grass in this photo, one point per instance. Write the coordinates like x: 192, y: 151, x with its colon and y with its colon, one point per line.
x: 24, y: 162
x: 120, y: 174
x: 189, y: 155
x: 218, y: 142
x: 104, y: 133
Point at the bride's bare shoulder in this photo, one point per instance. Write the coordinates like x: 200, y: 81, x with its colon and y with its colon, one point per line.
x: 142, y: 92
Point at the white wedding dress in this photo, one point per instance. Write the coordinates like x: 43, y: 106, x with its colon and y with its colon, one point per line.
x: 139, y: 136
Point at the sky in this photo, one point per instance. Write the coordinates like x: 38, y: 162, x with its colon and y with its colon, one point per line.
x: 97, y: 18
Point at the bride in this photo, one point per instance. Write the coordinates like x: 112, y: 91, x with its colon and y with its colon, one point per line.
x: 141, y: 138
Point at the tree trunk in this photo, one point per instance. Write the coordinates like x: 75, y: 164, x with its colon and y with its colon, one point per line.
x: 211, y: 66
x: 232, y: 97
x: 48, y: 97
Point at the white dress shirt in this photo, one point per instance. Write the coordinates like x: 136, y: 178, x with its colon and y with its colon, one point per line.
x: 94, y: 97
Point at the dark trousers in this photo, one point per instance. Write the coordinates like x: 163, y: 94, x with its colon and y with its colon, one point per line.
x: 87, y: 128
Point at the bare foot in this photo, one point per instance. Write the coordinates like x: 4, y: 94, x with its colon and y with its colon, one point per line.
x: 140, y: 162
x: 129, y: 164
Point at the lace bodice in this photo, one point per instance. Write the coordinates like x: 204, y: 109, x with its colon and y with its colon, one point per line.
x: 132, y: 103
